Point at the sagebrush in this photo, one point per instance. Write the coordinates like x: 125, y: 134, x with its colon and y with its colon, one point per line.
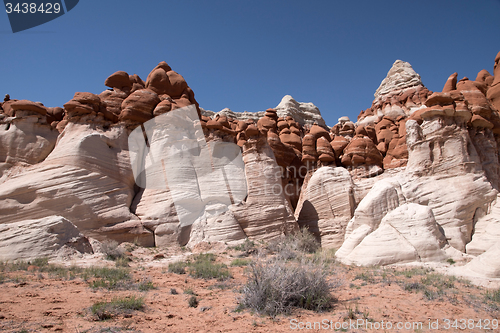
x: 276, y: 286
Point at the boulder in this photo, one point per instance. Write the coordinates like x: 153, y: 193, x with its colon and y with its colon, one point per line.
x: 158, y: 81
x: 177, y: 84
x: 338, y: 145
x: 120, y: 80
x: 39, y: 238
x: 88, y: 99
x: 361, y: 151
x: 138, y: 106
x: 75, y: 108
x: 324, y: 150
x: 493, y: 93
x: 25, y: 105
x: 113, y: 100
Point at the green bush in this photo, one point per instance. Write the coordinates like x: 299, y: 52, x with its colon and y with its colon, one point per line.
x: 193, y: 302
x: 107, y: 310
x: 145, y: 285
x: 205, y: 268
x: 493, y: 296
x: 178, y: 267
x: 122, y: 261
x: 305, y: 241
x: 409, y: 273
x: 201, y: 266
x: 109, y: 278
x: 240, y: 262
x: 247, y: 246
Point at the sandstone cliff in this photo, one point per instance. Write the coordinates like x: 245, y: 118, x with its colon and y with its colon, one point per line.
x: 415, y: 179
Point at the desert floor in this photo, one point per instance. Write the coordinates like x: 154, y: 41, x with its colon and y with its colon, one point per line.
x: 39, y: 297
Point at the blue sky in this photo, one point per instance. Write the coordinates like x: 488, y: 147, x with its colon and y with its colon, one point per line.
x: 246, y: 55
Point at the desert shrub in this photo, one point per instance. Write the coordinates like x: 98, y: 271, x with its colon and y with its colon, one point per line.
x: 325, y: 256
x: 413, y: 286
x: 439, y: 281
x: 18, y: 265
x: 204, y: 267
x: 204, y: 257
x: 146, y: 284
x: 432, y: 285
x: 409, y: 273
x: 42, y: 265
x: 107, y: 310
x: 275, y: 287
x: 193, y: 302
x: 189, y: 291
x: 493, y: 296
x: 290, y: 246
x: 39, y: 262
x: 61, y: 271
x: 178, y: 267
x: 223, y: 285
x: 248, y: 247
x: 112, y: 250
x: 304, y: 241
x: 201, y: 266
x: 122, y: 261
x: 240, y: 262
x: 109, y: 278
x: 365, y: 276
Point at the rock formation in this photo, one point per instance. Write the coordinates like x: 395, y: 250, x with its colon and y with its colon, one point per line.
x: 415, y: 179
x: 450, y: 184
x: 302, y: 113
x: 400, y: 94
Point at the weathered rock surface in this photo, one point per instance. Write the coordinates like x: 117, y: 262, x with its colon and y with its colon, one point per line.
x: 400, y: 94
x: 302, y: 113
x: 326, y: 205
x: 408, y: 233
x: 486, y: 230
x: 86, y: 179
x: 266, y: 213
x: 494, y: 90
x: 487, y: 264
x: 25, y: 139
x: 31, y: 239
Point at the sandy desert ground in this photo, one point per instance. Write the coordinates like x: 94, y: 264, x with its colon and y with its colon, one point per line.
x: 40, y: 297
